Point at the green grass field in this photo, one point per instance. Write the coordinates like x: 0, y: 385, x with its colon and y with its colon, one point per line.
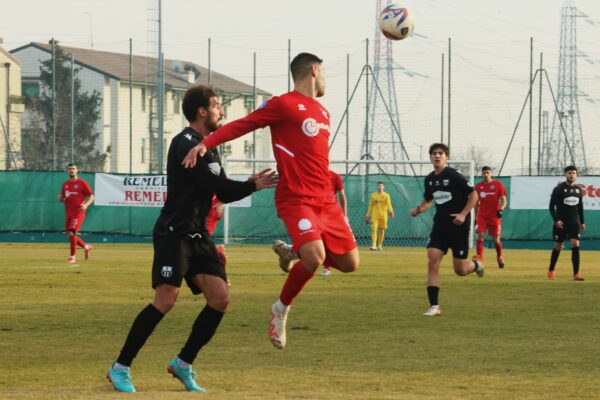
x: 511, y: 335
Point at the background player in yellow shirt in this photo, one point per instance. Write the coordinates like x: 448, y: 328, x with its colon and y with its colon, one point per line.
x: 379, y: 206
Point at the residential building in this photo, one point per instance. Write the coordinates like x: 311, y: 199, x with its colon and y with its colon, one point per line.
x: 11, y: 108
x: 108, y: 73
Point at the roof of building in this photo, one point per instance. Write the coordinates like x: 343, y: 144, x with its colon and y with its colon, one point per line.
x: 9, y: 56
x: 176, y: 72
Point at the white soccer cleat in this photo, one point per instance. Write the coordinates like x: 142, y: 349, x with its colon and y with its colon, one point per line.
x: 325, y: 272
x: 373, y: 248
x: 433, y: 311
x: 277, y: 326
x: 286, y: 255
x: 479, y: 268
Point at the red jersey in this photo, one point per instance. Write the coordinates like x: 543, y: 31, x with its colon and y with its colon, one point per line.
x: 336, y: 182
x: 212, y: 218
x: 74, y: 195
x: 300, y: 138
x: 489, y: 197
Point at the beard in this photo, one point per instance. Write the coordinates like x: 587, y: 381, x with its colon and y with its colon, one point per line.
x: 212, y: 125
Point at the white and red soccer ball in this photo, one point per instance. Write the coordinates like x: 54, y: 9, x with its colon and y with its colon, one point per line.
x: 396, y: 22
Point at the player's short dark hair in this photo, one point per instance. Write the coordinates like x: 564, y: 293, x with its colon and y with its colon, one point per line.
x: 301, y: 64
x: 485, y: 168
x: 194, y: 98
x: 570, y: 168
x: 71, y: 164
x: 441, y: 146
x: 380, y: 183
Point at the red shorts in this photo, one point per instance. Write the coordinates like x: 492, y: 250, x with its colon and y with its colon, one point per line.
x: 309, y: 219
x: 491, y: 223
x: 73, y: 222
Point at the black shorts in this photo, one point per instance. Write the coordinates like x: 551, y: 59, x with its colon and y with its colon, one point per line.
x: 179, y: 257
x: 457, y: 240
x: 570, y: 231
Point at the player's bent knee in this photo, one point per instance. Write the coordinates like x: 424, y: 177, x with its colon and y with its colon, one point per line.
x: 219, y: 304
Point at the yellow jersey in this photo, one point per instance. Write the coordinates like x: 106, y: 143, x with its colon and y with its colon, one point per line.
x: 379, y: 206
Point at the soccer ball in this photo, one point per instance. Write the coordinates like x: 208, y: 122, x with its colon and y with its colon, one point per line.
x: 396, y: 22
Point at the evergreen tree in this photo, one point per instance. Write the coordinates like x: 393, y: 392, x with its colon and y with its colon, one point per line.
x: 38, y: 146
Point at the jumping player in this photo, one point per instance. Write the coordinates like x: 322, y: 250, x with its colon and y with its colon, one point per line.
x: 566, y: 209
x: 77, y: 196
x: 489, y: 211
x: 315, y: 222
x: 454, y: 199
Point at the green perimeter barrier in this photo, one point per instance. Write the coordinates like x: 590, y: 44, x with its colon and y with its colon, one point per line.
x: 28, y: 204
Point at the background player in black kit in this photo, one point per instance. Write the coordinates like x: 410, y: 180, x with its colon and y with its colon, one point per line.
x: 182, y: 247
x: 566, y: 208
x: 454, y: 199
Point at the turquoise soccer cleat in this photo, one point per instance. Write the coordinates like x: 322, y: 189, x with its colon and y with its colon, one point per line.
x: 187, y: 376
x: 121, y: 379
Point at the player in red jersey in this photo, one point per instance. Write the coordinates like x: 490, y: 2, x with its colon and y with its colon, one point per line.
x: 214, y: 216
x: 489, y: 210
x: 77, y: 196
x: 300, y: 131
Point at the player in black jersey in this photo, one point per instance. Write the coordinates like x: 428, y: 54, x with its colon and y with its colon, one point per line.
x: 566, y: 208
x: 454, y: 199
x: 182, y: 245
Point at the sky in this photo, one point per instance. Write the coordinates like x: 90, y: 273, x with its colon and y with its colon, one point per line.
x: 490, y: 58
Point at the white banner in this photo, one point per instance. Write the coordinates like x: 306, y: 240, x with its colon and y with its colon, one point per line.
x: 139, y: 191
x: 533, y: 192
x: 130, y: 191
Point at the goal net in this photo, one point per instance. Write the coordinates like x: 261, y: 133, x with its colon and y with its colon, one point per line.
x: 254, y: 219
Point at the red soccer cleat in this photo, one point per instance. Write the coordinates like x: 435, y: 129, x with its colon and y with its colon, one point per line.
x: 551, y: 275
x: 578, y: 277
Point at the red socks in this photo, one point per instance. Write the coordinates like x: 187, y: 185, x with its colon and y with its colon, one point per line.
x: 297, y: 278
x: 498, y: 248
x: 480, y: 249
x: 73, y: 242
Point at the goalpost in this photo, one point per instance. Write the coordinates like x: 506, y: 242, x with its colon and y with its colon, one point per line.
x: 254, y: 220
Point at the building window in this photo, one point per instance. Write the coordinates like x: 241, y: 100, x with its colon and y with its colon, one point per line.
x: 226, y: 149
x: 30, y: 89
x: 143, y: 99
x: 176, y: 103
x: 143, y: 151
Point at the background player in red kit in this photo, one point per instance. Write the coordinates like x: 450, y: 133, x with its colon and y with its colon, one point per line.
x: 214, y: 216
x: 489, y: 210
x: 77, y: 196
x: 315, y: 222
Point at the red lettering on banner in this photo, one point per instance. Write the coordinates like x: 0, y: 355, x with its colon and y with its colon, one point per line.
x: 128, y: 195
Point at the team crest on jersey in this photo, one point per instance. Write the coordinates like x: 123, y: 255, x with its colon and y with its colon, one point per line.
x: 492, y: 187
x: 166, y: 271
x: 304, y: 224
x: 446, y: 182
x: 75, y: 186
x: 215, y: 168
x: 310, y: 127
x: 301, y: 107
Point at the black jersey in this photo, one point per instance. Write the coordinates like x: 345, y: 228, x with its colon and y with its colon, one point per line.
x: 566, y: 204
x: 450, y: 192
x: 190, y: 190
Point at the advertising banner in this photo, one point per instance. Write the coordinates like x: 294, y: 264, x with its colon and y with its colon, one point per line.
x: 140, y: 191
x: 533, y: 192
